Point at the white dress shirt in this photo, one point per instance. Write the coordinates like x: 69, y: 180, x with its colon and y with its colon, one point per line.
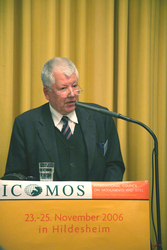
x: 56, y: 116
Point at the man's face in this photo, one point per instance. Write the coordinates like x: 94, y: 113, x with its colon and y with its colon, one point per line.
x: 63, y: 105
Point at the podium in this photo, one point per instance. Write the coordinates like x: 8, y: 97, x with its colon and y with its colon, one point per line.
x: 74, y: 215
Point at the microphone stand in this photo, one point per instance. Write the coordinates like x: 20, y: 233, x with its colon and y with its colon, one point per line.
x: 119, y: 116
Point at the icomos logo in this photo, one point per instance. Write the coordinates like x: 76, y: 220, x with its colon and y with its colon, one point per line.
x: 33, y: 190
x: 44, y: 190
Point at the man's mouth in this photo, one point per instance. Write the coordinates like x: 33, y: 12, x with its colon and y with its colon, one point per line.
x: 70, y: 102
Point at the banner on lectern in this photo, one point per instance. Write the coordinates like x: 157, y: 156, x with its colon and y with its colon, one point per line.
x: 74, y: 215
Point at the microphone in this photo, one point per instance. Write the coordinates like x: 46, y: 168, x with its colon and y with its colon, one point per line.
x: 116, y: 115
x: 103, y: 111
x: 155, y: 151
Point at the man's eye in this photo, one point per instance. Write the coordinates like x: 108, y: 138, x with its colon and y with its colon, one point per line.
x: 63, y: 88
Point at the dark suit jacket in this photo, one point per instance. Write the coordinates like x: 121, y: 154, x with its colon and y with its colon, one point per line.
x: 33, y: 140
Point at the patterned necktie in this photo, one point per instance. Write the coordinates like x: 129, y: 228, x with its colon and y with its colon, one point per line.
x: 66, y: 129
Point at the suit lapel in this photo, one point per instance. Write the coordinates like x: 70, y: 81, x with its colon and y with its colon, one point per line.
x: 47, y: 135
x: 89, y: 132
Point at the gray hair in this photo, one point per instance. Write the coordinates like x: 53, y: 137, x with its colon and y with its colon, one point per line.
x: 58, y: 63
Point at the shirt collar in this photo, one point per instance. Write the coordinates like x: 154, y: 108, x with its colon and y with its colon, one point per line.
x: 56, y: 116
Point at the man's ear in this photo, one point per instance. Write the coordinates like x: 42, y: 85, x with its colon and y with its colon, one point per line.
x: 46, y: 91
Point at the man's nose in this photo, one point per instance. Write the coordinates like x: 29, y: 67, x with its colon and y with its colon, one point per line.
x: 71, y: 92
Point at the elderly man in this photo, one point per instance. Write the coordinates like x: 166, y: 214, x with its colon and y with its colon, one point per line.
x: 82, y: 143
